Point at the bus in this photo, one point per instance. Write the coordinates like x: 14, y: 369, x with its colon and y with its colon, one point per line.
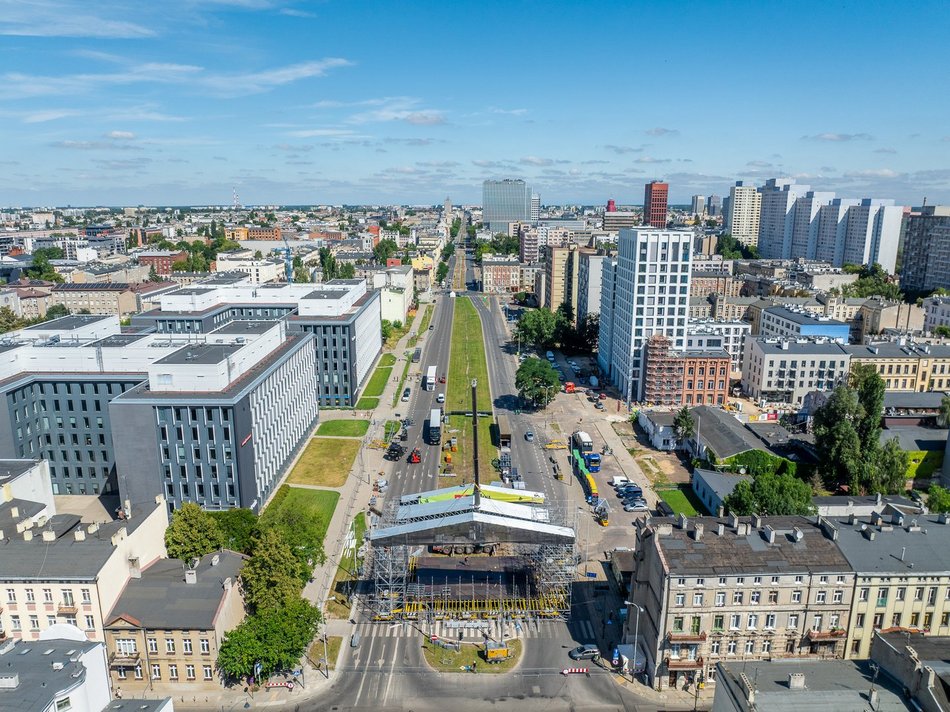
x: 435, y: 427
x: 429, y: 383
x: 582, y: 441
x: 586, y: 478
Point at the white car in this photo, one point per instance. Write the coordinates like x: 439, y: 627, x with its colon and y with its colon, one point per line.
x: 440, y: 398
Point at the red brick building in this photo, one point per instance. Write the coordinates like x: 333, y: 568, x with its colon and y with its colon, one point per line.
x: 161, y: 260
x: 255, y: 232
x: 655, y: 196
x: 685, y: 377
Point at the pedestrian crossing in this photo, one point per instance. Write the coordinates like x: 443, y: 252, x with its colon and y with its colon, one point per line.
x: 472, y: 631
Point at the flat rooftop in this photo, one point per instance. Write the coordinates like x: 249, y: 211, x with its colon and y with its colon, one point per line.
x: 803, y: 318
x: 327, y: 294
x: 200, y: 354
x: 10, y: 469
x: 237, y: 328
x: 68, y: 323
x: 119, y: 340
x: 39, y: 682
x: 921, y: 544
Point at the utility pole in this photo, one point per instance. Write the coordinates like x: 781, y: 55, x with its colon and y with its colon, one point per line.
x: 477, y: 500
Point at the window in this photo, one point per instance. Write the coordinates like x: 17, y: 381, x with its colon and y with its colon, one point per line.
x: 900, y: 593
x: 680, y: 599
x: 720, y: 598
x: 793, y: 620
x: 766, y: 646
x: 186, y: 646
x: 837, y: 596
x: 34, y: 622
x: 153, y: 645
x: 928, y: 620
x: 90, y: 622
x: 714, y: 648
x: 735, y: 620
x: 820, y: 597
x: 205, y: 645
x: 681, y: 582
x: 207, y: 671
x: 678, y: 624
x: 878, y: 620
x: 125, y: 646
x: 138, y: 671
x: 15, y: 622
x: 697, y: 599
x: 757, y: 580
x: 722, y: 582
x: 945, y: 619
x: 740, y: 581
x: 896, y: 619
x: 770, y: 621
x: 753, y: 621
x: 863, y: 594
x: 932, y: 596
x: 822, y: 579
x: 749, y: 647
x: 718, y: 622
x: 914, y: 619
x: 29, y: 595
x: 700, y: 582
x: 169, y: 645
x: 773, y: 596
x: 737, y: 597
x: 190, y: 672
x: 156, y: 671
x: 86, y: 596
x: 816, y: 622
x: 796, y: 596
x: 882, y: 596
x: 799, y: 579
x: 11, y: 595
x: 859, y: 621
x: 121, y: 673
x: 775, y: 579
x: 755, y: 596
x: 731, y: 648
x: 63, y: 705
x: 173, y: 672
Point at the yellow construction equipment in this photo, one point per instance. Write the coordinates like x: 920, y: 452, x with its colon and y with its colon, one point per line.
x: 556, y: 445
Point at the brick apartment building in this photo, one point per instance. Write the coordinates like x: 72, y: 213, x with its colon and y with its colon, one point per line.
x: 690, y: 377
x: 161, y: 260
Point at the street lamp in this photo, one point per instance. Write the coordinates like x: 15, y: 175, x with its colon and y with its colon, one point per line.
x: 636, y: 635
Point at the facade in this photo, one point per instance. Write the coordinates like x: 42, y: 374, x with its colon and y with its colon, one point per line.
x: 785, y: 370
x: 258, y: 271
x: 617, y: 220
x: 712, y: 487
x: 709, y: 334
x: 762, y: 588
x: 691, y: 377
x: 926, y: 254
x: 873, y: 233
x: 777, y: 219
x: 257, y: 232
x: 877, y: 315
x: 742, y: 217
x: 655, y: 195
x: 168, y: 625
x: 902, y: 575
x: 936, y: 313
x: 161, y: 260
x: 561, y: 275
x: 713, y: 206
x: 806, y: 221
x: 658, y: 425
x: 699, y: 205
x: 396, y: 288
x: 505, y: 201
x: 589, y: 283
x: 780, y: 322
x: 534, y: 238
x: 218, y: 423
x: 906, y: 367
x: 645, y: 292
x: 916, y: 662
x: 58, y: 570
x: 500, y: 275
x: 96, y: 298
x: 705, y: 283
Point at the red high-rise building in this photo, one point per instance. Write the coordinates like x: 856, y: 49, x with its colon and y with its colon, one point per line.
x: 611, y: 206
x: 655, y: 194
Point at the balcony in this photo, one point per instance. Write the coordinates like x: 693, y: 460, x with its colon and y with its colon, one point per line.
x: 67, y: 608
x: 826, y: 636
x: 123, y: 659
x: 684, y: 663
x: 681, y: 637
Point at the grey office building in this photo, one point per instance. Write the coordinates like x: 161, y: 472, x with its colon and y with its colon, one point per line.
x: 926, y: 253
x: 505, y: 201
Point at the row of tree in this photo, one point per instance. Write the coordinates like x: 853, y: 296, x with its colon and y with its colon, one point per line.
x: 332, y: 269
x: 731, y: 249
x: 873, y: 281
x: 9, y: 321
x: 537, y: 382
x: 546, y: 329
x: 500, y: 244
x: 283, y: 545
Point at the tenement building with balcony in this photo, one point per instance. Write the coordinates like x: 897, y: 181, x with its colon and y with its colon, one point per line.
x: 713, y: 589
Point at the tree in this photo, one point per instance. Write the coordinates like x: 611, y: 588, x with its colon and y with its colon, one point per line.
x: 888, y: 469
x: 276, y: 638
x: 837, y: 440
x: 938, y: 499
x: 536, y: 381
x: 347, y: 271
x: 870, y: 389
x: 683, y: 425
x: 9, y: 320
x: 57, y: 311
x: 272, y: 577
x: 588, y: 333
x: 384, y: 249
x: 943, y: 417
x: 258, y: 255
x: 538, y: 327
x: 386, y: 329
x: 239, y: 528
x: 192, y: 533
x: 771, y: 494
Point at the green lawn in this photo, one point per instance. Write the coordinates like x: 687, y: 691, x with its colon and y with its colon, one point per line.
x: 682, y: 500
x: 402, y: 380
x: 326, y: 462
x: 338, y: 604
x: 318, y: 504
x: 332, y: 651
x: 397, y: 334
x: 467, y: 361
x: 344, y: 428
x: 460, y: 426
x: 449, y: 661
x: 367, y: 403
x: 377, y: 382
x: 423, y: 325
x: 387, y: 360
x: 390, y: 429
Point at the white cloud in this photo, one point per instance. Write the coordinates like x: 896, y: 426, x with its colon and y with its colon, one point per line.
x: 872, y: 173
x: 292, y: 12
x: 651, y: 159
x: 620, y: 150
x: 536, y: 161
x: 52, y: 18
x: 660, y: 131
x: 509, y: 112
x: 400, y: 108
x: 838, y: 137
x: 310, y: 133
x: 425, y: 118
x: 121, y: 135
x: 40, y: 117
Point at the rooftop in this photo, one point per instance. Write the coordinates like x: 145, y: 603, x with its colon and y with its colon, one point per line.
x: 10, y: 469
x: 743, y: 548
x: 93, y: 287
x: 803, y: 318
x: 829, y: 685
x: 246, y: 327
x: 162, y: 599
x: 916, y: 438
x: 119, y: 340
x: 67, y: 323
x: 720, y: 483
x: 43, y: 669
x: 894, y: 349
x: 921, y: 543
x: 204, y: 354
x: 801, y: 347
x: 722, y: 432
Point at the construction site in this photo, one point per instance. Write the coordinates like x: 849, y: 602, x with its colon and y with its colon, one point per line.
x: 471, y: 552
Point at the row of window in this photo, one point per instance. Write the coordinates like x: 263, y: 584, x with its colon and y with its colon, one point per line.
x: 16, y: 624
x: 756, y: 580
x: 916, y: 619
x: 207, y: 672
x: 129, y: 646
x: 66, y: 593
x: 901, y: 594
x: 755, y: 597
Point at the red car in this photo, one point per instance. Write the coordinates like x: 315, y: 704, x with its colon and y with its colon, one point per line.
x: 414, y: 457
x: 441, y: 379
x: 603, y: 396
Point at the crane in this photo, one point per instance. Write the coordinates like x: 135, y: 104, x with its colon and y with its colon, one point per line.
x: 288, y: 260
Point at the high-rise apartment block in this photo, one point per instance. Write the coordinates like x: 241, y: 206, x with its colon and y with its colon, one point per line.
x: 535, y: 212
x: 645, y: 292
x: 778, y: 197
x: 699, y: 204
x: 655, y: 196
x: 589, y: 283
x: 561, y: 273
x: 616, y: 220
x: 505, y: 201
x: 742, y: 216
x: 713, y: 205
x: 926, y: 261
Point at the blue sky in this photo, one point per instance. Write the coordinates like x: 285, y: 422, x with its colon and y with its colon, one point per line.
x: 178, y: 101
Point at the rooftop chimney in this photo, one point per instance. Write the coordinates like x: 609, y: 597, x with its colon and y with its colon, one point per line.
x: 79, y: 534
x: 698, y: 531
x: 769, y: 534
x: 27, y: 535
x: 797, y: 534
x: 49, y: 535
x: 15, y: 512
x: 215, y: 560
x: 681, y: 521
x: 720, y: 528
x: 191, y: 576
x: 796, y: 681
x: 733, y: 521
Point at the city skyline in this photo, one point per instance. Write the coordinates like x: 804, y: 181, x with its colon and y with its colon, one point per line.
x: 303, y: 102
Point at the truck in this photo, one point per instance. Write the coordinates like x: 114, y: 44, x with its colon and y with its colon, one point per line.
x: 592, y: 459
x: 435, y: 427
x: 582, y: 442
x: 504, y: 432
x: 429, y: 383
x: 417, y: 355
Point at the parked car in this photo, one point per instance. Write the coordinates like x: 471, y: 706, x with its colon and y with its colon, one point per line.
x: 588, y: 651
x: 600, y: 406
x: 639, y: 505
x: 529, y: 435
x: 663, y: 509
x: 405, y: 395
x: 603, y: 396
x: 431, y: 327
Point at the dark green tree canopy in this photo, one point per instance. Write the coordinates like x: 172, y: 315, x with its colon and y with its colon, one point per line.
x: 192, y: 533
x: 537, y: 381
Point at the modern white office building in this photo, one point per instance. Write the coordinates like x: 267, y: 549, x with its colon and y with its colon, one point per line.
x: 742, y: 217
x: 712, y: 334
x: 645, y: 292
x: 783, y: 370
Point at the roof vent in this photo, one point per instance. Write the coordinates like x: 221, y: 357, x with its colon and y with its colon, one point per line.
x: 57, y: 665
x: 49, y: 535
x: 797, y: 534
x: 191, y: 576
x: 796, y: 681
x: 215, y: 560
